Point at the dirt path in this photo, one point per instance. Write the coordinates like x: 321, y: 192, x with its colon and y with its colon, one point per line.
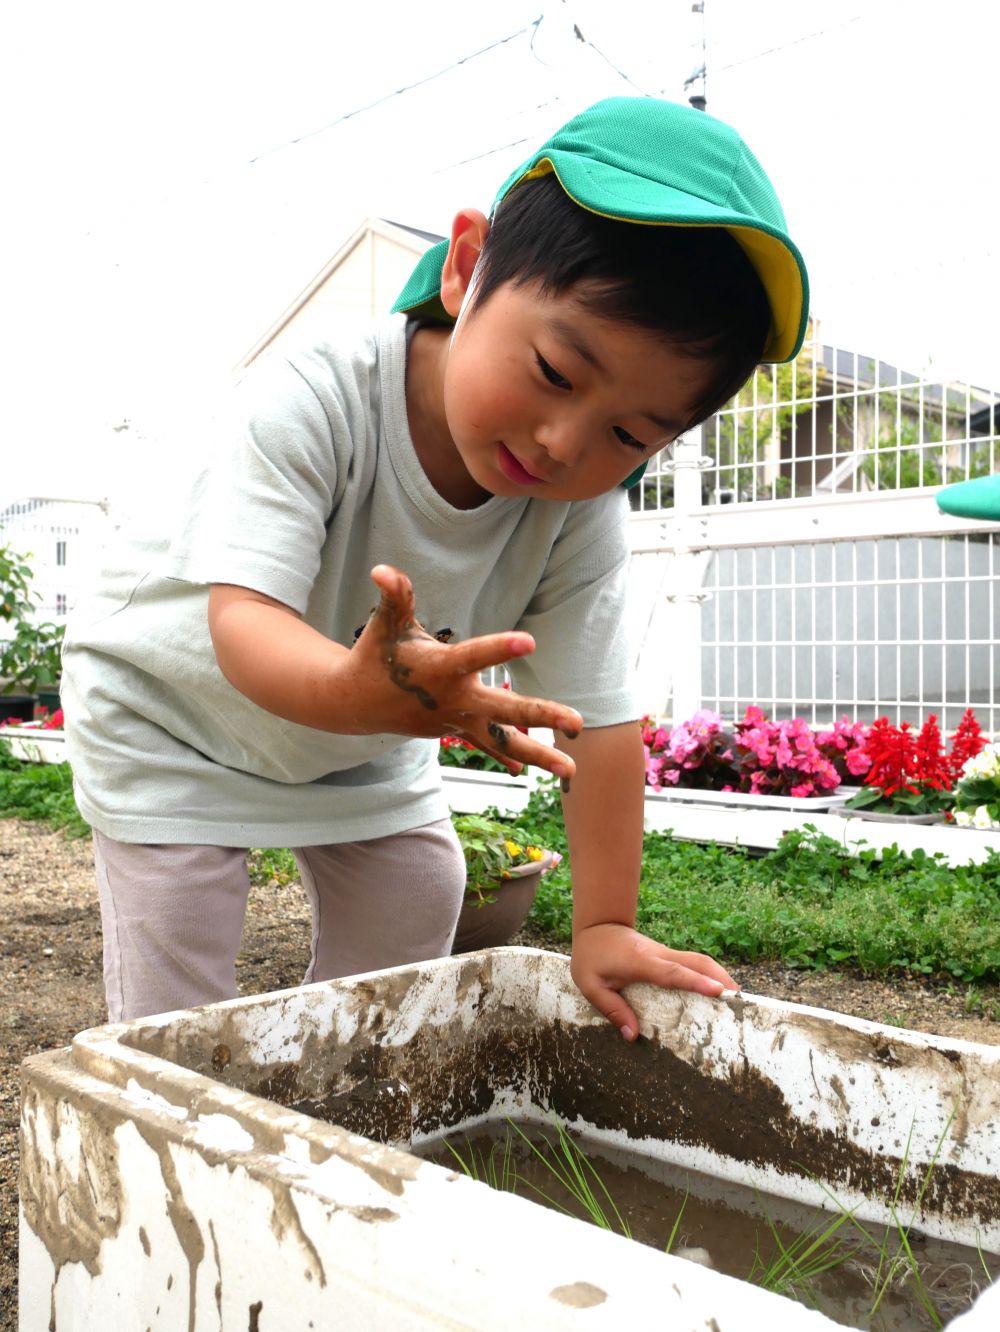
x: 50, y: 982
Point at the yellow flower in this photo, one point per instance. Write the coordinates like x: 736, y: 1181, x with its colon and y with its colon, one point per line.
x: 534, y: 853
x: 513, y: 849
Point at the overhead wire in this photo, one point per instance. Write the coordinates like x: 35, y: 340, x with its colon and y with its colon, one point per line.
x: 807, y: 37
x: 531, y: 27
x: 609, y: 62
x: 397, y: 92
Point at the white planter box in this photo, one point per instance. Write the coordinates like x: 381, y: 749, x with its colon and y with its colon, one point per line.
x: 34, y: 745
x: 764, y: 828
x: 745, y: 800
x: 741, y: 820
x: 470, y: 791
x: 174, y: 1175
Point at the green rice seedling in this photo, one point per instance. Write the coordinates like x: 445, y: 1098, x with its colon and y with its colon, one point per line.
x: 570, y: 1166
x: 800, y: 1260
x: 795, y: 1262
x: 900, y: 1267
x: 982, y: 1260
x: 672, y: 1237
x: 494, y: 1168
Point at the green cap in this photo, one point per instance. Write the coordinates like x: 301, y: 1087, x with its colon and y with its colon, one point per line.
x: 978, y: 498
x: 641, y: 159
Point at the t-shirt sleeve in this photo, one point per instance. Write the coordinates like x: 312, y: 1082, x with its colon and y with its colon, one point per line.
x: 583, y: 654
x: 259, y: 509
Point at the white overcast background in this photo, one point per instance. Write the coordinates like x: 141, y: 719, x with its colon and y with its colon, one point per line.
x: 175, y: 174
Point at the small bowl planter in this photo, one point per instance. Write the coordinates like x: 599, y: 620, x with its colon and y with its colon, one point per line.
x: 873, y: 816
x: 492, y: 924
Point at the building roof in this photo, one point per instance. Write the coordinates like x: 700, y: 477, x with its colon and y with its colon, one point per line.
x: 418, y: 240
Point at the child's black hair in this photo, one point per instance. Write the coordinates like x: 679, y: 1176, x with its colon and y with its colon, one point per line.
x: 693, y: 286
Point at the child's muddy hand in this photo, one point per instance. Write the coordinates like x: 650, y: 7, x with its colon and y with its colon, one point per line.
x: 402, y: 680
x: 607, y: 957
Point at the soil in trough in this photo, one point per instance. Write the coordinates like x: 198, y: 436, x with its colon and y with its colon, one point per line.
x: 736, y: 1230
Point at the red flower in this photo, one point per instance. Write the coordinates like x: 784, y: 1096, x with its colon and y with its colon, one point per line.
x: 966, y: 743
x: 932, y: 766
x: 892, y: 750
x: 902, y: 760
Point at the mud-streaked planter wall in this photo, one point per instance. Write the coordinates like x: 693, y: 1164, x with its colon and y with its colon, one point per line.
x: 169, y: 1181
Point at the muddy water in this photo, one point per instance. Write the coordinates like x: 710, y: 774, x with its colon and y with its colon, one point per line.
x: 736, y: 1230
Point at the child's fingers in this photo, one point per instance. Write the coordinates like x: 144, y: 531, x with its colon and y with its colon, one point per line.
x: 509, y: 709
x: 607, y: 957
x: 473, y: 655
x: 706, y: 966
x: 510, y: 746
x: 397, y: 593
x: 672, y: 975
x: 617, y: 1011
x: 540, y: 712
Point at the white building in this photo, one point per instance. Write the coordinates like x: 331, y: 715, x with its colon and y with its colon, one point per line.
x: 61, y: 540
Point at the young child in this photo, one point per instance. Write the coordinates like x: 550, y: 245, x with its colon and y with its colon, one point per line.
x: 464, y: 465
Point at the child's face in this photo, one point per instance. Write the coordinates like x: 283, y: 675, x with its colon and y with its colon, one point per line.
x: 544, y: 399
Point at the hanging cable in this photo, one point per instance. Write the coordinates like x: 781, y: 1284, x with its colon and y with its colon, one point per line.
x: 500, y: 148
x: 808, y: 37
x: 610, y: 63
x: 419, y: 83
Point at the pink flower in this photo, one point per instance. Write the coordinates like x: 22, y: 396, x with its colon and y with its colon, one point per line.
x: 857, y: 762
x: 654, y: 769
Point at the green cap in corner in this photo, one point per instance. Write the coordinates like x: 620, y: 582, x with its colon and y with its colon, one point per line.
x: 978, y: 498
x: 657, y: 163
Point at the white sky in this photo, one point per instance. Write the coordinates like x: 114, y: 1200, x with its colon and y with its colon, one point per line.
x: 157, y: 218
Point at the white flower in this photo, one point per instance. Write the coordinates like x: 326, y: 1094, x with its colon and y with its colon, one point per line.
x: 981, y: 818
x: 984, y: 764
x: 963, y: 818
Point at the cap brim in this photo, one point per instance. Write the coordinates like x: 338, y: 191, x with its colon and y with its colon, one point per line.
x: 979, y: 498
x: 622, y: 196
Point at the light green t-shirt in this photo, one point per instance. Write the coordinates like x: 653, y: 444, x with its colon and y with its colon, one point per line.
x: 321, y: 483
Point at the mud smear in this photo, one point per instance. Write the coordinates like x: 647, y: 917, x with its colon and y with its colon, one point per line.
x: 642, y: 1089
x: 392, y: 1075
x: 726, y: 1227
x: 183, y: 1220
x: 499, y: 735
x: 71, y: 1211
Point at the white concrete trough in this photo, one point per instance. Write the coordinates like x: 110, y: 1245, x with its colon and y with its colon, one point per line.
x: 219, y: 1167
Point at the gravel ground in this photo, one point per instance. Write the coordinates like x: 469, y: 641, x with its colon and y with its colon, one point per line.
x: 50, y: 974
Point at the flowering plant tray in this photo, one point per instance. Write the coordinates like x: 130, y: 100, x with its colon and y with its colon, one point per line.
x: 747, y: 800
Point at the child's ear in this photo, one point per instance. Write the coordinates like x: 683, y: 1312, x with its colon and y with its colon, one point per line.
x: 468, y: 236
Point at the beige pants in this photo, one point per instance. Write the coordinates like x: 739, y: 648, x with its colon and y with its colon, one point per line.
x: 172, y: 916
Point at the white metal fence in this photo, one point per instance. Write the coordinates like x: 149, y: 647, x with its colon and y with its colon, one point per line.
x: 791, y: 553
